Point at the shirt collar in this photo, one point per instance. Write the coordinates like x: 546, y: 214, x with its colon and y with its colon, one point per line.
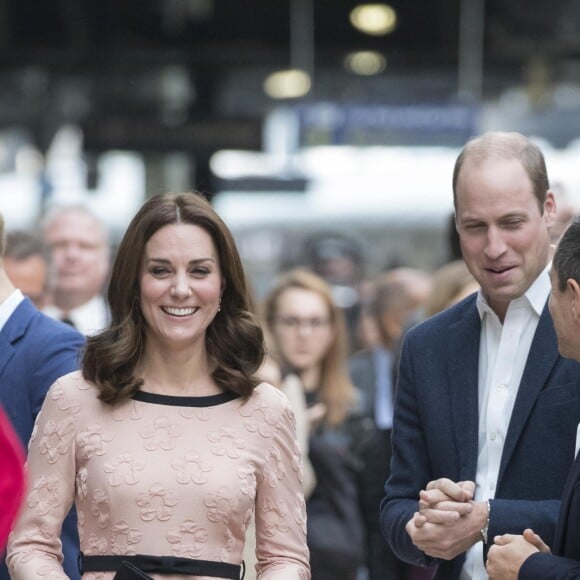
x: 9, y: 305
x: 536, y: 295
x: 88, y: 318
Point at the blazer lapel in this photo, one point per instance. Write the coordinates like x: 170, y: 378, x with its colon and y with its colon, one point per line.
x: 13, y: 329
x: 463, y: 388
x: 6, y: 351
x: 541, y: 359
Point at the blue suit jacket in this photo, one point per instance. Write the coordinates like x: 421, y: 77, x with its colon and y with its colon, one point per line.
x: 564, y: 562
x: 435, y: 430
x: 35, y: 351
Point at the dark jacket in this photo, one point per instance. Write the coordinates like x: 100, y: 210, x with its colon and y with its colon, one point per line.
x: 564, y: 561
x: 435, y: 431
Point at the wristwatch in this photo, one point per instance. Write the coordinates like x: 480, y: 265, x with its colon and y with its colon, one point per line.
x: 485, y: 528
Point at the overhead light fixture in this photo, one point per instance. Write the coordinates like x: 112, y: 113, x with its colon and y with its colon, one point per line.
x: 296, y: 81
x: 365, y: 62
x: 287, y: 84
x: 374, y: 19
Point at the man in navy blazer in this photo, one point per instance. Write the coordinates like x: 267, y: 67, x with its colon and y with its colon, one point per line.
x: 34, y: 351
x: 486, y: 410
x: 526, y: 556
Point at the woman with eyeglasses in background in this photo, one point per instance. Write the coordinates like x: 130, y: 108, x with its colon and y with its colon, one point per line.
x: 308, y: 332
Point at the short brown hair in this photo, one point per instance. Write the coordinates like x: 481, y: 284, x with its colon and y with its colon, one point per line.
x: 502, y: 145
x: 21, y: 244
x: 234, y: 340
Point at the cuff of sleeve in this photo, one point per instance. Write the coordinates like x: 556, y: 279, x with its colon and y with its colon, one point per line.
x: 484, y: 531
x: 538, y: 566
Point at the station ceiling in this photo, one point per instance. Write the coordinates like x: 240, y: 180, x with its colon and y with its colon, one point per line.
x: 162, y: 75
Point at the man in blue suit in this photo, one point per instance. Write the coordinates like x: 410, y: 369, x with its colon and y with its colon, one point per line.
x: 34, y: 351
x: 526, y: 556
x: 486, y: 410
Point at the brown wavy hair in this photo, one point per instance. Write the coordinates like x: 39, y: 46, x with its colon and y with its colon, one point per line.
x: 336, y: 390
x: 234, y: 340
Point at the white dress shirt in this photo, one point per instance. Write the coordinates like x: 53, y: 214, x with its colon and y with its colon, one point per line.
x: 9, y: 305
x: 89, y: 318
x: 503, y: 352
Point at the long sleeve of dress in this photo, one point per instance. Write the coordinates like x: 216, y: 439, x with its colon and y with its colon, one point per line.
x: 280, y: 507
x: 35, y: 550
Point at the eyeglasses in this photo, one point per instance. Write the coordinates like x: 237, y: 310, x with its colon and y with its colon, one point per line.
x: 294, y: 323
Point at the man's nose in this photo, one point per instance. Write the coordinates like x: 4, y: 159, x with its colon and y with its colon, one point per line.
x: 495, y: 244
x: 71, y: 251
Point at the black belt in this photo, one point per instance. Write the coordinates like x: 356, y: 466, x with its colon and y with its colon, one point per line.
x: 161, y: 565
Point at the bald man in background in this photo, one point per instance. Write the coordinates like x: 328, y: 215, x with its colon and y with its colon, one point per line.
x: 78, y: 243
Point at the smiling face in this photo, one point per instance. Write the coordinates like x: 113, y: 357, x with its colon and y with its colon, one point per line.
x: 180, y: 285
x: 504, y: 236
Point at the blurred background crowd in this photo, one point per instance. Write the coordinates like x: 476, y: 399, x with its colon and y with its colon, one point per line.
x: 324, y: 132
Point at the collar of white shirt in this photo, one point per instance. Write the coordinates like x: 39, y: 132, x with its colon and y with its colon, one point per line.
x: 9, y: 305
x: 88, y: 318
x: 535, y: 295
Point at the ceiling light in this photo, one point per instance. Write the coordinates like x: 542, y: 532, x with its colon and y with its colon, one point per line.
x: 365, y: 62
x: 287, y: 84
x: 374, y: 19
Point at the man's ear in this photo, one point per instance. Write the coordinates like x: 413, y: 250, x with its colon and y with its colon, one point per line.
x: 574, y: 290
x: 550, y: 209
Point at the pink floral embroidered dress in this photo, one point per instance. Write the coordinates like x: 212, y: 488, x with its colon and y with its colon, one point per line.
x: 163, y: 475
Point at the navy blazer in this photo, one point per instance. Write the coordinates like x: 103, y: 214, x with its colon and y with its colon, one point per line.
x: 435, y: 431
x: 35, y: 351
x: 564, y: 561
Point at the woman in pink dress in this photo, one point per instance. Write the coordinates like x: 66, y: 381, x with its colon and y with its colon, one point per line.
x: 165, y: 440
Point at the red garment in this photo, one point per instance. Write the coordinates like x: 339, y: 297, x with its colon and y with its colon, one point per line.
x: 11, y: 477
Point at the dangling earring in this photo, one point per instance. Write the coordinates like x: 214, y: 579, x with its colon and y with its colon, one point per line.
x: 219, y: 304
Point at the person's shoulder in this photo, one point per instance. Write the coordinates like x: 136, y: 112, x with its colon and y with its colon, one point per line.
x: 466, y: 309
x: 74, y: 386
x: 268, y: 410
x: 44, y: 326
x: 265, y: 393
x: 72, y: 398
x: 270, y: 400
x: 75, y: 382
x: 34, y: 333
